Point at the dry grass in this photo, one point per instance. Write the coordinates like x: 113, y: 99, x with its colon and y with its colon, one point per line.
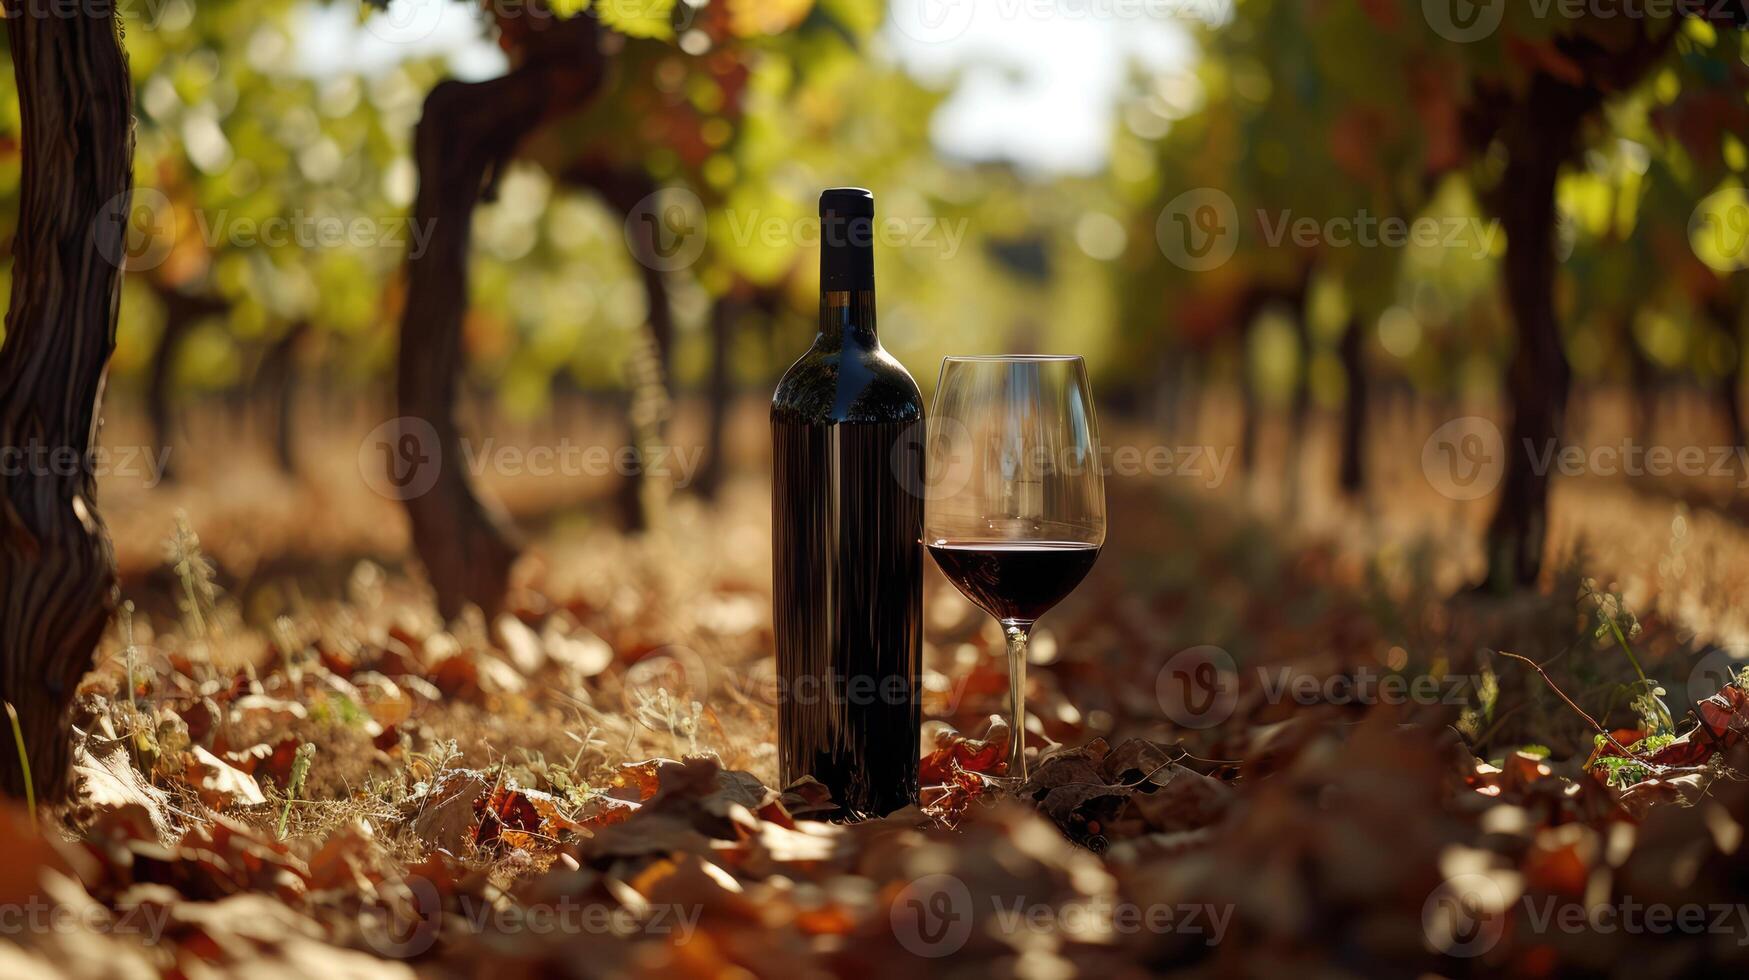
x: 294, y: 620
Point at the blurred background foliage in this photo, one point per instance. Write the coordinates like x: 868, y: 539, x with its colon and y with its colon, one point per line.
x: 1309, y: 109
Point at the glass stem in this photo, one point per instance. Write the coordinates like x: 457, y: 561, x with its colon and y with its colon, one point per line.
x: 1018, y: 633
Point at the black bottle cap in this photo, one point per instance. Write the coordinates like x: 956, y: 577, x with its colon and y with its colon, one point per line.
x: 846, y: 239
x: 847, y: 201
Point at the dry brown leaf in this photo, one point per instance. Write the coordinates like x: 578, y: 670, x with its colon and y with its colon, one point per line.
x: 110, y: 781
x: 220, y: 783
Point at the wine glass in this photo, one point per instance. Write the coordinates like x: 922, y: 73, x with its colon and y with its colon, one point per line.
x: 1015, y: 515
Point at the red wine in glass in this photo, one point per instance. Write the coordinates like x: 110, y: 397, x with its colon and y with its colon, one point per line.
x: 1014, y: 581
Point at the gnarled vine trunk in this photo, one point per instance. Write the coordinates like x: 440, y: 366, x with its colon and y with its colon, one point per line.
x: 724, y: 312
x: 1351, y: 467
x: 1250, y: 402
x: 1539, y: 128
x: 745, y: 303
x: 624, y: 190
x: 1728, y: 388
x: 57, y: 571
x: 276, y: 385
x: 465, y: 137
x: 1643, y: 375
x: 1255, y: 299
x: 1299, y: 408
x: 1539, y: 138
x: 181, y: 312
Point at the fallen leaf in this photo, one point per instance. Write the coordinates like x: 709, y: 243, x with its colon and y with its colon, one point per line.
x: 110, y: 781
x: 220, y: 783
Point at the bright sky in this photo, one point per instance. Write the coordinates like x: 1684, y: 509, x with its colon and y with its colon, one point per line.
x: 1037, y: 80
x: 1033, y: 81
x: 331, y: 39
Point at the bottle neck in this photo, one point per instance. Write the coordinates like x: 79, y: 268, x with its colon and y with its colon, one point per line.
x: 847, y: 316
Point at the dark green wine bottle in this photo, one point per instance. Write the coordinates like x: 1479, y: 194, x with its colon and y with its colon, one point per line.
x: 847, y: 526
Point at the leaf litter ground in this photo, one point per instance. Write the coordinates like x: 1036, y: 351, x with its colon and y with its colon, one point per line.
x: 1351, y: 772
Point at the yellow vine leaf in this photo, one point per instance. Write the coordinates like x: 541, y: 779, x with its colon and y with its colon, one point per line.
x: 638, y: 18
x: 751, y: 18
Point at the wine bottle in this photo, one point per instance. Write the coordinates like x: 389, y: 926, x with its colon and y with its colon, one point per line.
x: 847, y: 549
